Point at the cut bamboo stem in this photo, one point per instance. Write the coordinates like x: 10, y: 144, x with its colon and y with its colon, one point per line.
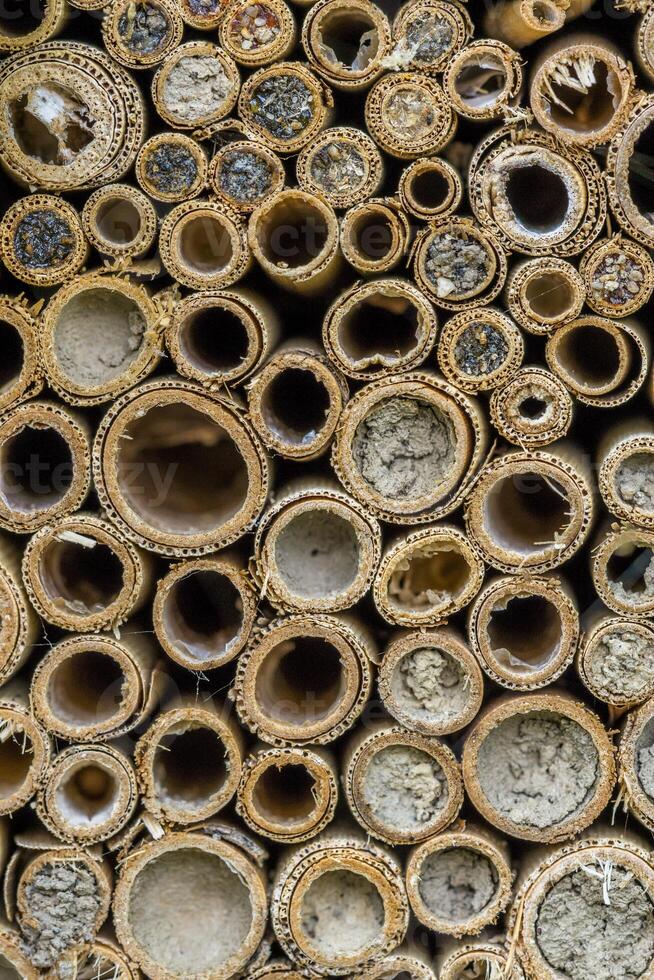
x: 172, y: 167
x: 142, y: 36
x: 245, y: 173
x: 197, y: 84
x: 430, y: 188
x: 41, y: 240
x: 22, y: 372
x: 618, y: 275
x: 119, y: 220
x: 25, y: 749
x: 375, y: 235
x: 479, y: 349
x: 483, y: 80
x: 408, y: 115
x: 545, y: 293
x: 346, y: 41
x: 285, y: 105
x: 615, y: 660
x: 257, y: 34
x: 342, y: 164
x: 622, y: 568
x: 626, y: 466
x: 533, y: 409
x: 19, y: 626
x: 203, y: 245
x: 427, y: 33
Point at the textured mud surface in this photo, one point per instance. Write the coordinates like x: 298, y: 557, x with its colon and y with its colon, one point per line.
x: 456, y: 265
x: 63, y: 902
x: 171, y: 169
x: 143, y: 28
x: 196, y: 88
x: 404, y: 787
x: 634, y: 480
x: 428, y: 37
x: 622, y: 665
x: 254, y: 26
x: 43, y: 240
x: 480, y: 349
x: 583, y: 936
x: 317, y: 554
x: 245, y: 176
x: 404, y: 448
x: 457, y: 883
x: 342, y: 912
x: 431, y: 685
x: 338, y: 167
x: 636, y: 582
x: 283, y: 104
x: 411, y: 113
x: 617, y: 280
x: 538, y: 768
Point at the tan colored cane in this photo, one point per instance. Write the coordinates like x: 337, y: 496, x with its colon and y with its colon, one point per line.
x: 477, y: 958
x: 41, y: 240
x: 626, y: 466
x: 22, y: 373
x: 140, y: 36
x: 203, y: 15
x: 13, y: 962
x: 19, y: 626
x: 346, y: 42
x: 483, y: 80
x: 625, y: 169
x: 245, y: 173
x: 544, y: 293
x: 533, y: 409
x: 286, y: 106
x: 622, y: 568
x: 119, y: 220
x: 618, y: 275
x: 615, y: 660
x: 257, y: 34
x: 25, y: 749
x: 343, y: 165
x: 522, y: 22
x: 25, y: 28
x: 408, y: 115
x: 430, y: 188
x: 427, y: 33
x: 375, y: 235
x: 171, y: 167
x: 203, y: 245
x: 103, y: 957
x: 480, y: 349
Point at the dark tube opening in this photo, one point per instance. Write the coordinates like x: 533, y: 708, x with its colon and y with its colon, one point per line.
x: 214, y: 340
x: 203, y: 614
x: 85, y: 580
x: 295, y: 405
x: 36, y: 469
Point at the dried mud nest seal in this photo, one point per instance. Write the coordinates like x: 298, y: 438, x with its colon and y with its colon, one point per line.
x: 172, y: 167
x: 342, y: 165
x: 244, y: 173
x: 285, y: 105
x: 426, y: 34
x: 409, y: 115
x: 626, y: 476
x: 257, y: 33
x: 635, y: 762
x: 615, y: 661
x: 430, y: 682
x: 140, y: 35
x: 539, y: 767
x: 401, y: 787
x: 459, y: 264
x: 197, y: 84
x: 618, y: 275
x: 41, y: 240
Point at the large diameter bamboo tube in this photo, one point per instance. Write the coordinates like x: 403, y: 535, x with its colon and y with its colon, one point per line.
x: 501, y: 630
x: 216, y: 919
x: 19, y: 627
x: 169, y: 449
x: 636, y: 763
x: 616, y: 660
x: 21, y: 373
x: 339, y: 903
x: 531, y: 511
x: 626, y: 471
x: 49, y: 874
x: 401, y: 787
x: 25, y: 749
x: 430, y: 682
x: 94, y: 688
x: 189, y: 760
x: 304, y: 679
x: 417, y: 415
x: 587, y: 910
x: 346, y: 41
x: 288, y: 794
x: 204, y: 610
x: 81, y: 573
x: 44, y: 465
x: 294, y: 238
x: 316, y: 549
x: 622, y: 568
x: 539, y: 767
x: 460, y: 881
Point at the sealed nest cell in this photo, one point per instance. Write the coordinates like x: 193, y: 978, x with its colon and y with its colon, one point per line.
x: 408, y: 115
x: 539, y: 767
x: 346, y: 42
x: 203, y: 15
x: 141, y: 34
x: 615, y: 660
x: 628, y: 172
x: 626, y: 473
x: 343, y: 165
x: 42, y: 241
x: 483, y: 80
x: 285, y: 105
x: 459, y: 264
x: 197, y: 84
x: 257, y: 34
x: 244, y: 173
x: 426, y: 34
x: 636, y: 762
x: 618, y: 275
x: 171, y: 167
x: 479, y: 349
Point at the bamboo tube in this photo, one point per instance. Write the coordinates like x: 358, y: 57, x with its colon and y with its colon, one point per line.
x: 101, y: 958
x: 45, y: 465
x: 316, y: 549
x: 119, y: 220
x: 204, y: 611
x: 544, y: 293
x: 531, y: 510
x: 13, y: 962
x: 581, y: 89
x: 618, y: 275
x: 296, y: 400
x: 285, y: 105
x: 89, y: 793
x: 100, y: 336
x: 622, y: 569
x: 624, y: 172
x: 19, y: 627
x: 593, y: 900
x: 25, y: 749
x: 203, y: 15
x: 430, y: 188
x: 427, y: 33
x: 82, y: 574
x: 401, y: 787
x: 644, y: 44
x: 477, y: 958
x: 189, y: 761
x: 375, y: 235
x: 304, y: 679
x: 51, y: 144
x: 86, y: 883
x: 245, y: 173
x: 536, y: 196
x: 626, y: 461
x: 409, y: 115
x: 346, y: 41
x: 405, y: 413
x: 142, y: 36
x: 197, y: 84
x: 217, y: 919
x: 533, y: 409
x: 483, y: 80
x: 427, y: 576
x: 338, y: 903
x: 172, y: 167
x: 27, y: 26
x: 342, y: 164
x: 206, y: 478
x: 93, y: 688
x: 409, y: 962
x: 459, y: 881
x: 254, y: 44
x: 635, y: 763
x: 459, y: 264
x: 539, y: 767
x: 615, y: 660
x: 21, y: 374
x: 501, y: 630
x: 521, y: 22
x: 288, y: 794
x: 379, y: 327
x: 218, y: 337
x: 430, y: 682
x: 41, y: 240
x: 203, y: 245
x: 591, y: 355
x: 294, y: 238
x: 479, y: 349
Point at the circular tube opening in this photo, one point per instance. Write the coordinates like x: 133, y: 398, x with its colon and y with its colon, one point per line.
x: 526, y: 511
x: 24, y: 18
x: 549, y: 296
x: 189, y: 766
x: 203, y: 615
x: 214, y: 340
x: 317, y: 554
x: 86, y: 689
x: 295, y: 405
x: 87, y: 795
x: 342, y: 913
x: 379, y: 324
x: 118, y: 221
x: 293, y: 233
x: 205, y: 245
x: 36, y: 470
x: 590, y: 356
x: 301, y: 681
x: 513, y: 641
x: 583, y: 106
x: 81, y: 579
x: 429, y: 189
x: 538, y: 198
x: 284, y: 794
x: 372, y: 235
x: 13, y: 356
